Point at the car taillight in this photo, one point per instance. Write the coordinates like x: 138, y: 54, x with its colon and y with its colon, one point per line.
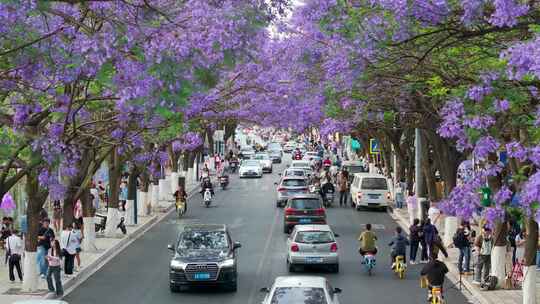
x: 319, y: 211
x: 281, y: 189
x: 388, y: 196
x: 289, y: 211
x: 333, y: 247
x: 294, y: 248
x: 359, y: 195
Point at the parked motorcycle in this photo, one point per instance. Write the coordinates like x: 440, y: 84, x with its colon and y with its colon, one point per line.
x: 101, y: 223
x: 207, y: 197
x: 224, y: 181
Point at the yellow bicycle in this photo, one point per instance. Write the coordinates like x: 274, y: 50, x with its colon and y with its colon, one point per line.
x: 400, y: 266
x: 436, y: 295
x: 180, y: 207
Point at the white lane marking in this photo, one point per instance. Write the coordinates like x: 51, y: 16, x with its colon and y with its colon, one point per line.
x: 264, y: 257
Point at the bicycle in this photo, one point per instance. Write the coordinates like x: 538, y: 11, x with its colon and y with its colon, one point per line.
x: 180, y: 208
x: 436, y: 295
x: 400, y: 266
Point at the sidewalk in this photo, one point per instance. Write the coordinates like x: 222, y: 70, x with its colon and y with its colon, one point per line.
x: 499, y: 296
x: 90, y: 261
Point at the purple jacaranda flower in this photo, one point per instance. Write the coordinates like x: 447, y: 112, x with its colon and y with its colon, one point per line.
x: 501, y: 105
x: 477, y: 93
x: 516, y: 150
x: 484, y: 146
x: 8, y: 203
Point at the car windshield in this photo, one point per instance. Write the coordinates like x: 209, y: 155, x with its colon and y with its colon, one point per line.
x: 314, y: 237
x: 305, y: 203
x: 374, y: 183
x: 294, y: 183
x: 197, y: 240
x: 298, y: 295
x: 355, y: 169
x: 295, y: 173
x: 250, y: 163
x: 261, y: 156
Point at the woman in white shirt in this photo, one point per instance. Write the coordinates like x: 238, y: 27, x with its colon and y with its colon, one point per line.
x: 15, y: 249
x: 68, y: 243
x: 520, y: 246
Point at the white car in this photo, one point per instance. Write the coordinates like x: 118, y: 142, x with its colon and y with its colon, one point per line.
x: 250, y: 168
x: 265, y: 161
x: 302, y: 164
x: 301, y: 289
x: 370, y: 190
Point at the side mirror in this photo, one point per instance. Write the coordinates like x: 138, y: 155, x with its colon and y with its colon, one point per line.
x: 279, y: 174
x: 276, y: 184
x: 236, y: 245
x: 337, y: 290
x: 170, y: 247
x: 265, y: 289
x: 336, y: 235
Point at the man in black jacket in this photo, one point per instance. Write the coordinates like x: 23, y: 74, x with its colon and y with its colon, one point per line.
x: 435, y: 271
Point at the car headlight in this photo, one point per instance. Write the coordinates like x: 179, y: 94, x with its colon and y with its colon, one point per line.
x: 178, y: 265
x: 227, y: 263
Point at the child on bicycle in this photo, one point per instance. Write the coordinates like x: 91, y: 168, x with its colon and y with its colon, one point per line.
x: 399, y: 243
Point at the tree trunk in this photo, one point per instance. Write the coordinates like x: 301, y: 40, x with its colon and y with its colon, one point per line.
x: 173, y: 157
x: 69, y: 204
x: 115, y: 171
x: 529, y: 267
x: 428, y: 171
x: 89, y: 228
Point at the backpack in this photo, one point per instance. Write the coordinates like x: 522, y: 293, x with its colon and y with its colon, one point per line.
x: 459, y: 239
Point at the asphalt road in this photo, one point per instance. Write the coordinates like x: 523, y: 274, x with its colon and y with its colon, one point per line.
x: 139, y: 274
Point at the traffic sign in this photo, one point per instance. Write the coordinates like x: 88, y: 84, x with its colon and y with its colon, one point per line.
x: 374, y: 146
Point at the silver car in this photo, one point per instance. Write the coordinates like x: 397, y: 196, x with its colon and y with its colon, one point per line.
x: 265, y: 161
x: 301, y: 289
x: 294, y: 172
x: 289, y: 187
x: 312, y: 245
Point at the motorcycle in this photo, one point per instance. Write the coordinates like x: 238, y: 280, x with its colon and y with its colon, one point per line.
x: 101, y: 223
x: 328, y: 198
x: 297, y: 156
x: 224, y: 181
x: 207, y: 197
x: 233, y: 165
x: 180, y: 207
x: 369, y: 262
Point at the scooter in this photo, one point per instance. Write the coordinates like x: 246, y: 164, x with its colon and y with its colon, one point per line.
x: 224, y: 181
x: 328, y: 198
x: 233, y: 165
x: 369, y: 262
x: 207, y: 197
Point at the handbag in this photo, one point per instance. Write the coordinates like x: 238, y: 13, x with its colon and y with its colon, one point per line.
x: 64, y: 250
x: 424, y: 282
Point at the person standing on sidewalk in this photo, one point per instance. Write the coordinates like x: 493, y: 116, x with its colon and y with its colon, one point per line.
x: 400, y: 195
x: 78, y: 213
x: 45, y: 237
x: 68, y: 243
x: 54, y: 258
x: 415, y: 231
x: 462, y: 242
x: 15, y: 249
x: 484, y: 245
x: 412, y: 206
x: 78, y: 236
x: 57, y: 215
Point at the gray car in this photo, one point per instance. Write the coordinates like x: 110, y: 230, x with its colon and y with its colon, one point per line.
x: 312, y: 245
x: 204, y: 255
x: 290, y: 186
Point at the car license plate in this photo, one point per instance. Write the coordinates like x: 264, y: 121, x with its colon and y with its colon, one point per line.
x: 201, y: 276
x: 312, y: 260
x: 305, y: 221
x: 374, y: 196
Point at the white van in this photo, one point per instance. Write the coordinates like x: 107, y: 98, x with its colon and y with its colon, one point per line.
x: 371, y: 191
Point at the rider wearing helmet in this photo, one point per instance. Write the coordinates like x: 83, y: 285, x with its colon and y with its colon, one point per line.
x: 367, y: 241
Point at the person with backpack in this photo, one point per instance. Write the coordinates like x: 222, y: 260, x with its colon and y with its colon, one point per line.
x: 461, y: 241
x: 484, y: 245
x: 430, y: 233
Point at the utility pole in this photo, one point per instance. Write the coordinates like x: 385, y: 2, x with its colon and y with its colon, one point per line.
x: 418, y: 177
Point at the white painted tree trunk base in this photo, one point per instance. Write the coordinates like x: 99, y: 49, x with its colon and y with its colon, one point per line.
x: 155, y: 196
x: 498, y: 260
x: 89, y: 241
x: 113, y: 219
x: 130, y: 217
x: 164, y: 189
x: 141, y: 202
x: 31, y: 275
x: 174, y: 181
x: 529, y: 285
x: 450, y: 227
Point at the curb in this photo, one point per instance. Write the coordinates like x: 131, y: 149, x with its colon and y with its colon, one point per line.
x: 111, y: 252
x: 474, y: 294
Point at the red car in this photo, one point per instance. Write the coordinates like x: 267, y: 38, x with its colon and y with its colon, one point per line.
x: 303, y: 209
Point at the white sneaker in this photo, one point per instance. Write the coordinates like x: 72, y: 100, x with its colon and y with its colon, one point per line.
x: 412, y: 262
x: 475, y: 282
x: 42, y: 276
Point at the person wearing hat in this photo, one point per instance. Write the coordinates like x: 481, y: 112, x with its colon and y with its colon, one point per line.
x: 484, y: 245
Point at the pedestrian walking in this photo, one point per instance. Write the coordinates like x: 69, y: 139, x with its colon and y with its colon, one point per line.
x: 430, y: 233
x: 68, y: 243
x: 45, y: 237
x: 78, y: 213
x: 484, y: 245
x: 343, y: 184
x: 461, y: 241
x: 78, y: 236
x: 415, y: 232
x: 122, y: 195
x: 54, y: 258
x: 412, y: 207
x: 57, y: 215
x: 14, y: 245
